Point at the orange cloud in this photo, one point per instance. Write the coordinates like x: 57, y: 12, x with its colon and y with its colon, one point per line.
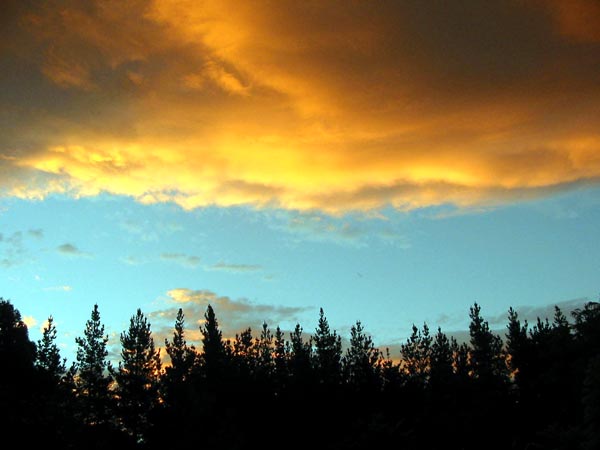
x: 326, y: 106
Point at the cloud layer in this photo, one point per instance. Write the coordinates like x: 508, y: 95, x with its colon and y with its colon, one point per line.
x: 233, y: 314
x: 333, y: 106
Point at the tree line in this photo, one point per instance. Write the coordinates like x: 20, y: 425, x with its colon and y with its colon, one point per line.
x: 539, y: 388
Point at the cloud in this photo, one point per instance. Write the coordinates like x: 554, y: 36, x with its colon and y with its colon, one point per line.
x: 531, y: 313
x: 36, y: 233
x: 132, y: 260
x: 147, y: 230
x: 13, y: 250
x: 235, y: 268
x: 349, y: 230
x: 63, y: 288
x: 233, y: 315
x: 30, y: 321
x: 181, y: 259
x: 72, y: 251
x: 306, y: 106
x: 455, y: 321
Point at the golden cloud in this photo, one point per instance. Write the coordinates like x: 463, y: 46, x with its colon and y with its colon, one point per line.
x: 233, y: 314
x: 30, y: 321
x: 329, y: 106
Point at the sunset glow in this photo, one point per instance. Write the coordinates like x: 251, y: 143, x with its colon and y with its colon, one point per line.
x: 296, y: 154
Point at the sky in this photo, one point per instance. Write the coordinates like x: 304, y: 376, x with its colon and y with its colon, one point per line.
x: 391, y: 162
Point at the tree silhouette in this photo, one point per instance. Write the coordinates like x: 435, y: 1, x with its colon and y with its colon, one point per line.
x: 328, y: 352
x: 265, y: 351
x: 280, y: 358
x: 244, y: 354
x: 416, y: 356
x: 93, y: 377
x: 361, y: 362
x: 586, y: 326
x: 138, y: 375
x: 390, y: 374
x: 487, y: 359
x: 449, y: 395
x: 300, y: 356
x: 16, y: 350
x: 517, y: 347
x: 460, y: 360
x: 48, y: 358
x: 440, y: 369
x: 213, y: 349
x: 183, y: 357
x: 17, y: 377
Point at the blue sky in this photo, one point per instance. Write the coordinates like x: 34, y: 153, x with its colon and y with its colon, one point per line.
x: 61, y: 255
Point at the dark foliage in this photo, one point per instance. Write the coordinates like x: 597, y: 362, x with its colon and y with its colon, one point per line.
x: 540, y: 389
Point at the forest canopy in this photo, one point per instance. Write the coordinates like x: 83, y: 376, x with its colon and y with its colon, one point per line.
x: 536, y: 387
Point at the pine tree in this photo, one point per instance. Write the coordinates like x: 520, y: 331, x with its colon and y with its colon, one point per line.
x: 518, y: 349
x: 182, y: 356
x: 300, y: 356
x: 328, y: 352
x: 92, y: 378
x: 550, y: 365
x: 440, y: 371
x: 17, y: 352
x: 177, y: 376
x: 213, y: 348
x: 18, y: 388
x: 361, y: 362
x: 586, y: 327
x: 390, y: 372
x: 137, y: 376
x: 487, y: 359
x: 244, y: 354
x: 280, y: 358
x: 265, y: 352
x: 416, y: 356
x: 48, y: 359
x: 460, y: 360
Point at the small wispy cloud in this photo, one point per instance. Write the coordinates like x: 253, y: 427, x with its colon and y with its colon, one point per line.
x: 189, y: 261
x: 8, y: 263
x: 13, y: 252
x: 142, y: 230
x: 37, y: 233
x: 148, y: 231
x: 235, y: 268
x: 63, y: 288
x: 72, y: 251
x: 358, y: 230
x: 132, y: 260
x: 181, y: 259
